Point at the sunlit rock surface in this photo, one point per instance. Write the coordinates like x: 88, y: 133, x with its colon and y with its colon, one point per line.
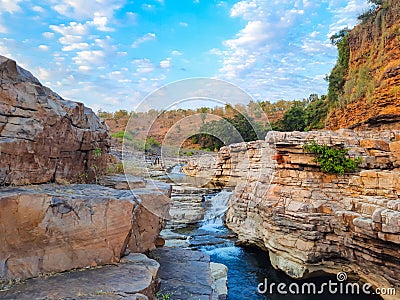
x: 44, y: 138
x: 310, y: 221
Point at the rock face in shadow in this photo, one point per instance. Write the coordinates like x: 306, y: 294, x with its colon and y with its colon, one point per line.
x: 53, y: 228
x: 310, y: 221
x: 44, y: 138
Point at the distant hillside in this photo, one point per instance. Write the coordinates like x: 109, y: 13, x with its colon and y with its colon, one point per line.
x: 156, y: 124
x: 369, y: 61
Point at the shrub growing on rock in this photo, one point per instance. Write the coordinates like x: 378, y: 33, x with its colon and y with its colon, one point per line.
x: 332, y: 160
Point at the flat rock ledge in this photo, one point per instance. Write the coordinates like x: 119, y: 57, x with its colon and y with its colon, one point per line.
x: 184, y: 274
x: 134, y: 278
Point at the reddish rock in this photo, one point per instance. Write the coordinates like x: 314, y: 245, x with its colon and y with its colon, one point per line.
x: 309, y: 221
x: 54, y: 228
x: 44, y: 138
x: 371, y: 90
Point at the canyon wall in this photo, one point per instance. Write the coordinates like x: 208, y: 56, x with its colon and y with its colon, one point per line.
x: 371, y: 96
x: 44, y: 138
x: 309, y: 221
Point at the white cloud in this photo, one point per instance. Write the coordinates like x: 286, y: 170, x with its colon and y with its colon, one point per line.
x: 48, y: 35
x: 143, y: 65
x: 43, y: 74
x: 145, y: 38
x: 87, y: 59
x: 254, y: 34
x: 183, y: 24
x: 73, y: 28
x: 176, y: 53
x: 277, y: 39
x: 43, y: 47
x: 38, y: 9
x: 75, y: 46
x: 345, y: 13
x: 100, y: 22
x: 78, y: 9
x: 10, y: 6
x: 166, y: 63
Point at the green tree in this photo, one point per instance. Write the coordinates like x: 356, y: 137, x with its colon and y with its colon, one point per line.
x: 337, y: 78
x: 227, y: 131
x: 316, y: 112
x: 293, y: 119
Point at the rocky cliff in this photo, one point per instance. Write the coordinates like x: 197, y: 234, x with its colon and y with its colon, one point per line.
x: 48, y: 225
x: 309, y: 221
x: 44, y: 138
x: 371, y: 96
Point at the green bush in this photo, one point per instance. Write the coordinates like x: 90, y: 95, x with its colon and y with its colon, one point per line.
x: 189, y: 153
x: 331, y: 160
x: 122, y: 134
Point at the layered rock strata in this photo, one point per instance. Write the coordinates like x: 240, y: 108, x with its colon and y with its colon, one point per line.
x: 187, y: 206
x: 53, y: 228
x: 309, y: 221
x: 44, y: 138
x: 371, y: 92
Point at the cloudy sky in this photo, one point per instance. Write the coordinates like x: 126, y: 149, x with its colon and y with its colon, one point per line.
x: 110, y: 54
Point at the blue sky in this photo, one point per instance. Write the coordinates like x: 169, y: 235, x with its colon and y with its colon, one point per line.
x: 109, y: 54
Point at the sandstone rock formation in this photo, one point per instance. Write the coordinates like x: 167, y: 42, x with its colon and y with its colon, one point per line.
x: 53, y: 228
x: 185, y: 274
x: 134, y: 278
x: 371, y: 92
x: 310, y: 221
x: 44, y: 138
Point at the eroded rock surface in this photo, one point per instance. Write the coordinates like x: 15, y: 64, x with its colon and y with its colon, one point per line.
x: 134, y: 278
x: 44, y: 138
x: 310, y: 221
x: 184, y: 274
x: 370, y: 97
x: 53, y: 228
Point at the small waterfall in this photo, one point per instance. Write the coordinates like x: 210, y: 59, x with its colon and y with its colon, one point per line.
x: 214, y: 217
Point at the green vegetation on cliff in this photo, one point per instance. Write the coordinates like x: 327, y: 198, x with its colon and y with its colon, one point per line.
x: 331, y: 160
x: 337, y: 78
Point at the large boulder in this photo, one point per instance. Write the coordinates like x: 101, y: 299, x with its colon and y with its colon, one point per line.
x: 44, y: 138
x: 53, y: 228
